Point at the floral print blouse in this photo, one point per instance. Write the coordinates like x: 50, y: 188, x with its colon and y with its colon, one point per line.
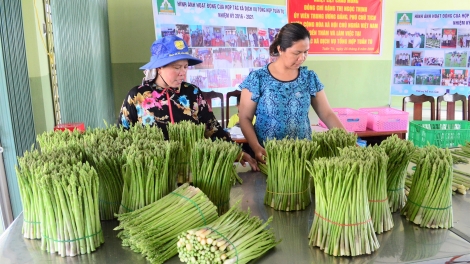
x: 282, y: 106
x: 147, y: 104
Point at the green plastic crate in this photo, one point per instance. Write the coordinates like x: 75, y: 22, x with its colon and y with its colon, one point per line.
x: 443, y: 134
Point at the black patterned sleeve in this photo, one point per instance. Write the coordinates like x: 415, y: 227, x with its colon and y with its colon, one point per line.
x: 206, y: 116
x: 128, y: 114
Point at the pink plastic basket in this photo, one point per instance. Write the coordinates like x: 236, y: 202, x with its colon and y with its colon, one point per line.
x: 386, y: 119
x: 352, y: 120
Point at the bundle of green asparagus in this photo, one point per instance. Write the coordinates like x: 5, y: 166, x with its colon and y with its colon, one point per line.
x: 399, y: 153
x: 233, y: 238
x: 28, y: 180
x: 430, y: 199
x: 104, y: 150
x: 460, y: 179
x: 342, y: 225
x: 331, y: 141
x: 287, y: 186
x: 376, y: 184
x: 148, y: 172
x: 212, y: 170
x: 153, y: 230
x: 187, y: 134
x: 30, y: 192
x: 70, y: 221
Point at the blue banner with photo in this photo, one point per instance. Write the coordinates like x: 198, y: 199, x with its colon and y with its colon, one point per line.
x: 232, y: 38
x: 431, y: 53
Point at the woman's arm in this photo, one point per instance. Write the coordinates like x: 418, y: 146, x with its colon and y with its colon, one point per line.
x: 325, y: 113
x: 207, y: 117
x: 245, y: 114
x: 214, y: 129
x: 128, y: 114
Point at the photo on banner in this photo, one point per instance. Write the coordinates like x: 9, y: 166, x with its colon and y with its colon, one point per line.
x: 231, y: 38
x: 340, y: 27
x: 431, y: 53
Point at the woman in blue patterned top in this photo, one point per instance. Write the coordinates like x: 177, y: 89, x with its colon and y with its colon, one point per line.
x: 280, y: 94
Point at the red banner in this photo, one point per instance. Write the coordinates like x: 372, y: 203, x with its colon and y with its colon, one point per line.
x: 339, y: 26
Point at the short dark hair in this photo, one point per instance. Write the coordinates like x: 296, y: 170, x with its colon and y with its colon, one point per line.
x: 286, y: 37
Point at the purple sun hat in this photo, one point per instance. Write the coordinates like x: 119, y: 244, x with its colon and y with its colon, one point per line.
x: 167, y: 50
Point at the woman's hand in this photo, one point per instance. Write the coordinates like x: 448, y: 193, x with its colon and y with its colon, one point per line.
x: 260, y: 154
x: 246, y: 158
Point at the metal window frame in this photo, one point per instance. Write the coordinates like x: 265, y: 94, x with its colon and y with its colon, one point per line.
x: 52, y: 65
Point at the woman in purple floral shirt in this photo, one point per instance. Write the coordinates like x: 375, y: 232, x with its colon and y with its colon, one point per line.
x: 165, y: 97
x: 147, y: 104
